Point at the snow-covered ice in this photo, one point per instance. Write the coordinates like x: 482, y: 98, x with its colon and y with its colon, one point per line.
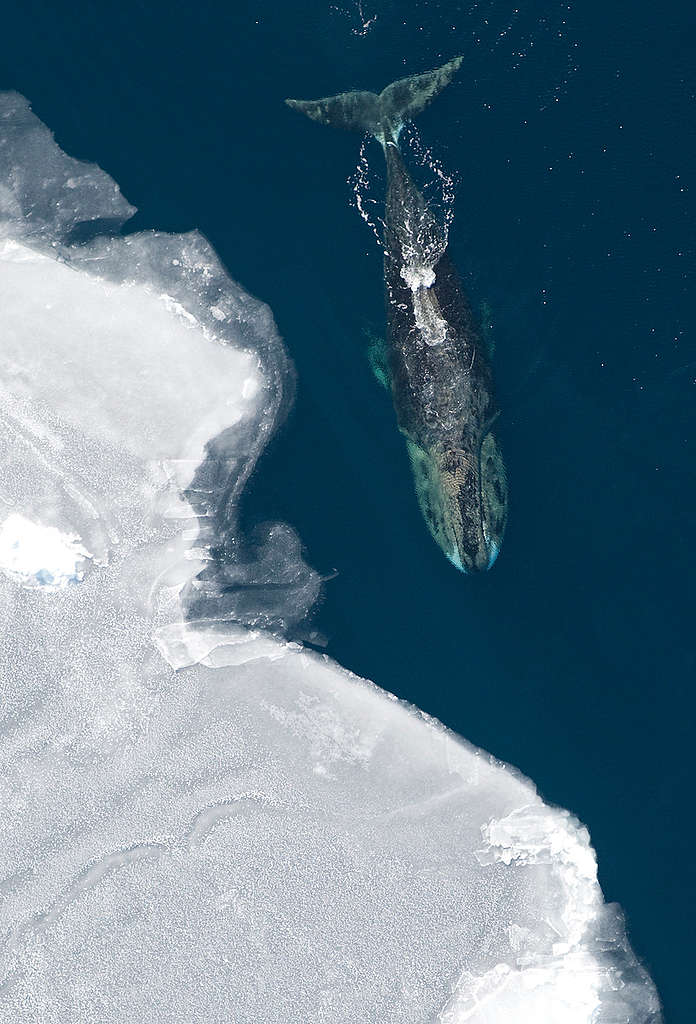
x: 199, y: 821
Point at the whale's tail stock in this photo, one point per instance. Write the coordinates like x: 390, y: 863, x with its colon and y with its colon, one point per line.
x: 382, y: 115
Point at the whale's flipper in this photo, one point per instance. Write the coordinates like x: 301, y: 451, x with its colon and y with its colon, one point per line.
x: 378, y: 359
x: 381, y: 115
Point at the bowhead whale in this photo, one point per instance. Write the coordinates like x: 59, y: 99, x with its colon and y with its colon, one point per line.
x: 437, y: 366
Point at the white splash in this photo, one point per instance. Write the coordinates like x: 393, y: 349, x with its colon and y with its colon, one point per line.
x: 430, y: 322
x: 364, y: 21
x: 418, y: 276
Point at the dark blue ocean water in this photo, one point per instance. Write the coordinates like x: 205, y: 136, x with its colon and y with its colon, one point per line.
x: 570, y: 130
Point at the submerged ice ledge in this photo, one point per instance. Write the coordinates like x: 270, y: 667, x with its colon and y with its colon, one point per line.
x: 200, y: 820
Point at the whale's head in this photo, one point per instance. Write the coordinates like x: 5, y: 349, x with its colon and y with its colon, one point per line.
x: 462, y: 494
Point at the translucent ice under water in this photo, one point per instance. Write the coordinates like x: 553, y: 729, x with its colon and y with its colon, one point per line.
x: 200, y: 821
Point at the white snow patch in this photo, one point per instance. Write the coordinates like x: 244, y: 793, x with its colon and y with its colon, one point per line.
x: 40, y: 555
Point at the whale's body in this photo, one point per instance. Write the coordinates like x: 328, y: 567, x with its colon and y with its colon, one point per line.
x: 438, y: 370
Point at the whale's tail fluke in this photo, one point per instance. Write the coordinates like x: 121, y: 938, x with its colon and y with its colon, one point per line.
x: 381, y: 115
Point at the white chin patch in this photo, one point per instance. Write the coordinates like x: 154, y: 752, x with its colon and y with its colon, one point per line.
x: 456, y: 561
x: 40, y: 556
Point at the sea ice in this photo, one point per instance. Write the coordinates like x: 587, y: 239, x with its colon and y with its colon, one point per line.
x: 200, y: 821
